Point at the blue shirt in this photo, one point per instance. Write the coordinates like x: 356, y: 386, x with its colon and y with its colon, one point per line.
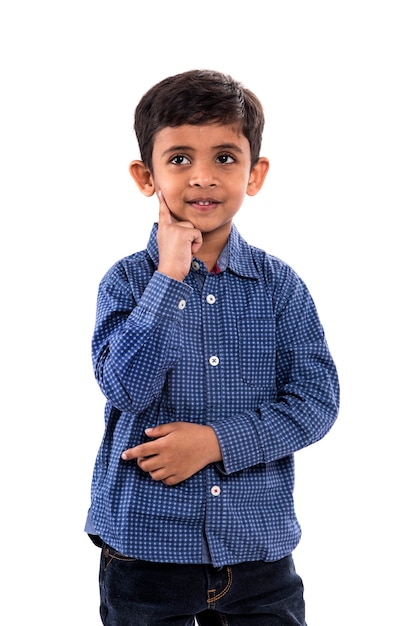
x: 243, y: 351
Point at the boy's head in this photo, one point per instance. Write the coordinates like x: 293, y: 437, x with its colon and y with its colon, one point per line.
x: 198, y: 97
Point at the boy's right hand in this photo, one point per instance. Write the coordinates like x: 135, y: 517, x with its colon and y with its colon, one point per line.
x: 177, y: 241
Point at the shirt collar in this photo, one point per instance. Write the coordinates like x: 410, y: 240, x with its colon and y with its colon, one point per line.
x: 236, y: 255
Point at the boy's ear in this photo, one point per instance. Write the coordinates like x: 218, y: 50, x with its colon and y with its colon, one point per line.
x: 257, y: 176
x: 143, y: 177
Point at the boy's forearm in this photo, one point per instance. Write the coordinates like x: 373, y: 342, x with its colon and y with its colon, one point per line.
x: 131, y: 349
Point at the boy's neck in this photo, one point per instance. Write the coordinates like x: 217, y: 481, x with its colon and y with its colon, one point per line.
x: 209, y: 261
x: 211, y: 249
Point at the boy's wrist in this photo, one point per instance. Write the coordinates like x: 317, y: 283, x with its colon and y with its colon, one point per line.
x: 214, y: 449
x: 175, y: 275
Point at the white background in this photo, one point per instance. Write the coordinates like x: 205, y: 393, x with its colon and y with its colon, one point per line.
x: 338, y: 81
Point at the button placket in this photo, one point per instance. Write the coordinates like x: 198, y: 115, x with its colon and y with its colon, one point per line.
x: 210, y: 313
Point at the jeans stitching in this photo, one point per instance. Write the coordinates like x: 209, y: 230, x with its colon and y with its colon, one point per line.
x: 109, y: 557
x: 211, y: 600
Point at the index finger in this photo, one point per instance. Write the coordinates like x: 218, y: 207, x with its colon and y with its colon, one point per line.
x: 165, y: 216
x: 137, y: 452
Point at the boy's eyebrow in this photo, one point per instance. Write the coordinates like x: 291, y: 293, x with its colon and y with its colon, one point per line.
x: 222, y: 146
x: 229, y: 146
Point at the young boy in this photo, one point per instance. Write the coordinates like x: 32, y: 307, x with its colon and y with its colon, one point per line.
x: 215, y: 368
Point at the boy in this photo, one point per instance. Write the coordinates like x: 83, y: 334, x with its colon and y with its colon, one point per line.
x: 215, y: 369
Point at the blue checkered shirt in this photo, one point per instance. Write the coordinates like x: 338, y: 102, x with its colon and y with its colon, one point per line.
x: 242, y: 350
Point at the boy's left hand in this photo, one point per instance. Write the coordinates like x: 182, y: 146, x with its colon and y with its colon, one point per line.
x: 177, y: 451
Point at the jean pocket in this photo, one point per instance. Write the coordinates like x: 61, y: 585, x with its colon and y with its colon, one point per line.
x: 109, y: 555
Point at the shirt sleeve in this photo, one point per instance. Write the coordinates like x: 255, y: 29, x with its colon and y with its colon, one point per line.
x: 135, y: 343
x: 307, y: 400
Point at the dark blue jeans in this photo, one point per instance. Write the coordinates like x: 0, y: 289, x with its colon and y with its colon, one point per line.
x: 141, y: 593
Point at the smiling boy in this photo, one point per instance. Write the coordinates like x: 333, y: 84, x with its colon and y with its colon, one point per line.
x: 216, y: 370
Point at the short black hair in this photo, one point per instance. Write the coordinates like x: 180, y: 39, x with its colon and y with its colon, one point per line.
x: 198, y: 97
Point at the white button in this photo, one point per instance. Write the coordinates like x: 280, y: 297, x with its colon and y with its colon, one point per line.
x: 210, y: 298
x: 214, y: 360
x: 182, y: 304
x: 195, y: 265
x: 216, y: 490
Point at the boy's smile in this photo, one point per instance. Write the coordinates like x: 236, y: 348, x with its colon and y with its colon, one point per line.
x: 204, y: 173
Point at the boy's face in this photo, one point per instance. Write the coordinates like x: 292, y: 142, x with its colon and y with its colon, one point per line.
x: 204, y: 173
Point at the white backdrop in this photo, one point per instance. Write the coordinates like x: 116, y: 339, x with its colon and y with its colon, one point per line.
x: 338, y: 81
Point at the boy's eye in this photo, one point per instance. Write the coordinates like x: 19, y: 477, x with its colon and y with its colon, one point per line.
x: 226, y: 158
x: 179, y: 159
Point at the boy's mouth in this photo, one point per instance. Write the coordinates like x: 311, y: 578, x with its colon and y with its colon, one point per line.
x: 204, y: 202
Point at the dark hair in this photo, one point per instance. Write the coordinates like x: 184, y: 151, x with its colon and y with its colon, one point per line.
x: 198, y: 97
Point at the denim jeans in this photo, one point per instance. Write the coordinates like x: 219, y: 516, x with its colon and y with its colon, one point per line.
x: 142, y: 593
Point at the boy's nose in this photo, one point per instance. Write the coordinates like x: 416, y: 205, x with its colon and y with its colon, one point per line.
x: 203, y: 176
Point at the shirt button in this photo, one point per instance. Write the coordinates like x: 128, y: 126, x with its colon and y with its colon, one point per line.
x: 195, y: 265
x: 214, y: 361
x: 216, y: 490
x: 210, y: 298
x: 182, y: 304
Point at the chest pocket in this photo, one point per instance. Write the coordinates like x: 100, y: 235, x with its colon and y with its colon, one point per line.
x: 257, y: 351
